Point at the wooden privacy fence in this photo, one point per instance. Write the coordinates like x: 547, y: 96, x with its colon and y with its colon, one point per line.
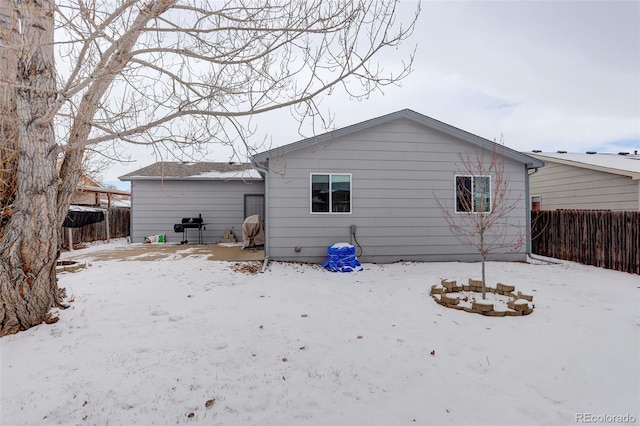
x: 606, y: 239
x: 119, y: 223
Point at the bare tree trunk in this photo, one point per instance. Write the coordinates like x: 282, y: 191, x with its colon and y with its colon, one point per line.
x: 483, y: 254
x: 484, y: 291
x: 8, y: 115
x: 29, y: 236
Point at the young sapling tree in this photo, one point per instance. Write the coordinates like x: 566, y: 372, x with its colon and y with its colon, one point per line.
x: 481, y: 215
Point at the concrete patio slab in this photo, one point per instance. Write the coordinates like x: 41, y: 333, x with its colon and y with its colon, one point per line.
x: 151, y: 252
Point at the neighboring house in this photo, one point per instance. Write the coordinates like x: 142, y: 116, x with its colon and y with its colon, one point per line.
x: 92, y: 193
x: 100, y: 196
x: 586, y: 181
x: 90, y: 205
x: 165, y: 192
x: 380, y: 178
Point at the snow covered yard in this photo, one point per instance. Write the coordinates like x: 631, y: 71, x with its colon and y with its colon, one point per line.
x: 194, y: 341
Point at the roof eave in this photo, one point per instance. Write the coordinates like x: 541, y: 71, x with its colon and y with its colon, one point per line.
x: 627, y: 173
x: 103, y: 190
x: 188, y: 178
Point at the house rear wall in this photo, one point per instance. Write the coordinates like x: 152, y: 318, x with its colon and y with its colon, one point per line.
x: 398, y: 169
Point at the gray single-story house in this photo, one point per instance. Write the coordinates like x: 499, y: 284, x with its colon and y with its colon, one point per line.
x: 380, y: 178
x: 592, y: 180
x: 224, y: 194
x: 374, y: 184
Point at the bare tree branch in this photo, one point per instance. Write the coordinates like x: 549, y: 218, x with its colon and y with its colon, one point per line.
x: 193, y: 61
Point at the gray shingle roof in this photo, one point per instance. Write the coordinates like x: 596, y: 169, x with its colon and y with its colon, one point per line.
x: 194, y: 171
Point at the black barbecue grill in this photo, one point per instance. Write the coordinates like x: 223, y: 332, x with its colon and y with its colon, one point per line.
x: 190, y: 223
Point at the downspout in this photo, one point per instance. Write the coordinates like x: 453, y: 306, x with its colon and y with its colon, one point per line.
x: 528, y: 195
x: 265, y: 171
x: 131, y: 203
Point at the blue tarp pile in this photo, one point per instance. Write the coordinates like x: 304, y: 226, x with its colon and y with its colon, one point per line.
x: 342, y: 258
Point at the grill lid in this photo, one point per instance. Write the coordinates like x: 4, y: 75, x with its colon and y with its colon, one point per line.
x: 195, y: 220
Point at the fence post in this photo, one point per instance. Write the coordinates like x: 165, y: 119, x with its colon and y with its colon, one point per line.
x: 70, y: 236
x: 107, y: 223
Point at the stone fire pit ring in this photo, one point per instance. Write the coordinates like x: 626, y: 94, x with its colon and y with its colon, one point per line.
x: 468, y: 298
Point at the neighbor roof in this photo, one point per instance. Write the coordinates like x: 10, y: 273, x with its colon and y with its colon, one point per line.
x: 103, y: 190
x: 407, y: 114
x: 165, y: 170
x: 620, y: 164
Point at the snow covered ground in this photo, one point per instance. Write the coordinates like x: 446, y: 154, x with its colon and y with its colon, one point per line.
x: 195, y: 341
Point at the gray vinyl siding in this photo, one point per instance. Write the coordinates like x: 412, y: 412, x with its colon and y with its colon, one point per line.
x: 563, y: 186
x: 398, y: 169
x: 157, y: 206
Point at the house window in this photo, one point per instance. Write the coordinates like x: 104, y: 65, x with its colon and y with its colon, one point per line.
x: 473, y: 194
x: 330, y: 193
x: 536, y: 203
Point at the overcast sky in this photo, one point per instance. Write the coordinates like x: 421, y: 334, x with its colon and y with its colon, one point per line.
x: 546, y: 75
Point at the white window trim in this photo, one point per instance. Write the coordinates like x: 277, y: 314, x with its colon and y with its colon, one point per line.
x: 455, y: 193
x: 330, y: 195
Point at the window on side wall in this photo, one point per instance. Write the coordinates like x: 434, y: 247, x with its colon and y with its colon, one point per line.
x: 536, y: 203
x: 473, y: 194
x: 330, y: 193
